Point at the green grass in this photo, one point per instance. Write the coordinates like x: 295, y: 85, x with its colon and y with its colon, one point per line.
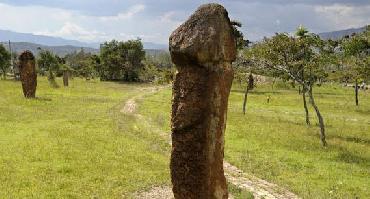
x: 272, y: 141
x: 74, y: 143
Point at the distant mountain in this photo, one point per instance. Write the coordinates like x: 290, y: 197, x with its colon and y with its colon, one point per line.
x: 155, y: 46
x: 34, y: 48
x: 62, y: 50
x: 6, y: 35
x: 335, y: 35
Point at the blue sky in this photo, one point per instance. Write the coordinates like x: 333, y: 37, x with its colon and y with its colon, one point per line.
x: 154, y: 20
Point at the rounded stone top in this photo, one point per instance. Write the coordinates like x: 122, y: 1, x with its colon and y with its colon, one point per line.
x: 26, y: 55
x: 206, y: 37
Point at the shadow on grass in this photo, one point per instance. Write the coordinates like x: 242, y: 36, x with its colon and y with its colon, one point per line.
x: 314, y: 122
x: 352, y: 139
x: 349, y: 157
x: 255, y: 92
x: 326, y: 93
x: 53, y: 83
x: 361, y: 111
x: 43, y: 99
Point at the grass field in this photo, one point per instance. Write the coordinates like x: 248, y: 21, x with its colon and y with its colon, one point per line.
x: 74, y: 142
x: 272, y: 141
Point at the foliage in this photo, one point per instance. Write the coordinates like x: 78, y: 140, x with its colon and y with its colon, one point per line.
x: 121, y: 60
x: 48, y: 62
x: 4, y: 60
x: 356, y: 55
x: 297, y: 59
x: 158, y: 68
x: 161, y: 60
x: 301, y: 59
x: 82, y: 64
x: 241, y: 43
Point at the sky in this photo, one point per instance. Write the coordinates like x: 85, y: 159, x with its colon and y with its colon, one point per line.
x: 154, y: 20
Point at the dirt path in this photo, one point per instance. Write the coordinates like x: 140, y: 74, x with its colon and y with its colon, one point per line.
x: 130, y: 105
x: 260, y: 188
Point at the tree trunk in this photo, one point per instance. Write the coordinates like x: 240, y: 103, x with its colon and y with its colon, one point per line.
x: 356, y: 92
x: 319, y: 116
x: 51, y: 75
x: 305, y: 107
x: 245, y: 100
x: 250, y: 86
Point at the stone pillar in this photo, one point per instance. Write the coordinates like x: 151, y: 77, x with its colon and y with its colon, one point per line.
x: 65, y: 78
x: 28, y: 74
x: 203, y: 49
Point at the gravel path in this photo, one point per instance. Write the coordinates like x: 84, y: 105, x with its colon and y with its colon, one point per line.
x: 163, y: 192
x: 260, y: 188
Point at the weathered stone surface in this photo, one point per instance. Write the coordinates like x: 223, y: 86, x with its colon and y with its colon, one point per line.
x: 28, y: 74
x: 202, y: 49
x: 205, y: 38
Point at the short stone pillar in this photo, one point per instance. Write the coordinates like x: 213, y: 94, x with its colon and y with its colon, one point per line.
x: 65, y: 78
x: 28, y: 74
x: 203, y: 49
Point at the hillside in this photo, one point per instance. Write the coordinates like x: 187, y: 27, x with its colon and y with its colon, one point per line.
x: 6, y: 35
x: 334, y: 35
x: 59, y: 50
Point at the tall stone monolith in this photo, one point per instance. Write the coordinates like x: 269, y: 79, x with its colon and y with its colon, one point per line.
x: 28, y: 74
x: 203, y: 49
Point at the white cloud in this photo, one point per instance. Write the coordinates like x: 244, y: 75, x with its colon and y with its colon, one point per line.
x: 31, y: 18
x: 341, y: 16
x: 71, y: 30
x: 162, y: 17
x: 70, y: 24
x: 132, y: 11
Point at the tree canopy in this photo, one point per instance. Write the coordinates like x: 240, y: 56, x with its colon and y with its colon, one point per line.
x: 4, y: 60
x: 121, y: 60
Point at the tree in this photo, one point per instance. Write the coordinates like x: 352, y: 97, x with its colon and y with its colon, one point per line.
x: 356, y: 51
x: 15, y: 69
x: 95, y: 62
x: 83, y: 64
x: 241, y: 65
x: 4, y: 60
x: 121, y: 60
x: 250, y: 87
x: 240, y: 41
x: 300, y: 59
x: 48, y: 62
